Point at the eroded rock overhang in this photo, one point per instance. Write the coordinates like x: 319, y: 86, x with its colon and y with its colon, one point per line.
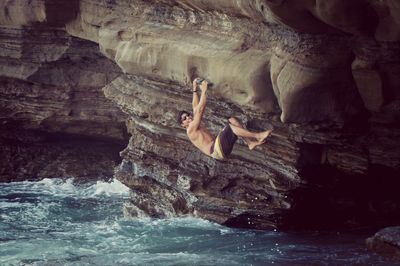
x: 325, y: 74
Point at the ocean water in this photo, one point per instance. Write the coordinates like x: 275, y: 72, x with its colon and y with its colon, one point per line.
x: 57, y: 222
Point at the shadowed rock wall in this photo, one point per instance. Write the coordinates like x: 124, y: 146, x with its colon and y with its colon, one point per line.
x: 55, y: 120
x: 324, y: 74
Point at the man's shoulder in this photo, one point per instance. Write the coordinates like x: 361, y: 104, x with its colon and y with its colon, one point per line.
x: 192, y: 130
x: 192, y: 127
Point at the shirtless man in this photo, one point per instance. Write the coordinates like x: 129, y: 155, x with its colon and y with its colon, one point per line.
x: 220, y: 147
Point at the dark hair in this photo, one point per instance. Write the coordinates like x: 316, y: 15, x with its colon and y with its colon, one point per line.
x: 179, y: 116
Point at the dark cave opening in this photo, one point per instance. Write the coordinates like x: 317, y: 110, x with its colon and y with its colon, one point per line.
x: 333, y: 200
x: 34, y: 155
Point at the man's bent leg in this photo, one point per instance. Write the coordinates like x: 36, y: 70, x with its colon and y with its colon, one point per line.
x: 244, y: 133
x: 227, y: 139
x: 236, y: 122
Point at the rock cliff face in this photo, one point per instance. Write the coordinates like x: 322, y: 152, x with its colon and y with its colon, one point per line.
x: 55, y: 120
x: 324, y: 74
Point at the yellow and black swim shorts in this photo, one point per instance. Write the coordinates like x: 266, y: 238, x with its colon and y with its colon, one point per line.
x: 223, y: 144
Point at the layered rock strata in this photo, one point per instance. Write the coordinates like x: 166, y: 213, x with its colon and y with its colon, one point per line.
x: 324, y: 74
x: 55, y: 120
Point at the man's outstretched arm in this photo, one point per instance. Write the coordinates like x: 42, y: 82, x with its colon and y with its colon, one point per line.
x: 199, y: 110
x: 195, y: 100
x: 203, y: 99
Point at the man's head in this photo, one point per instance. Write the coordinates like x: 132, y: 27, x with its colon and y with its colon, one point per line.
x: 184, y: 118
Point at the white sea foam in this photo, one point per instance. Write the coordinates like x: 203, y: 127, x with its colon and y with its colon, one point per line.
x: 67, y: 187
x: 56, y: 186
x: 108, y: 189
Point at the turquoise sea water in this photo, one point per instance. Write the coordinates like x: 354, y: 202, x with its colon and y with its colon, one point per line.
x: 57, y: 222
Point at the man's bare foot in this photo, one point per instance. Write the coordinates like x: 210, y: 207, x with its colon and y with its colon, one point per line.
x: 263, y: 136
x: 260, y: 140
x: 253, y: 144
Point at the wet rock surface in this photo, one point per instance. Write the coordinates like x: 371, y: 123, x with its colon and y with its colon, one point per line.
x: 386, y: 242
x: 323, y: 74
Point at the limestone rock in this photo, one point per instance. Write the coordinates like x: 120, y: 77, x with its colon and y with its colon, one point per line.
x: 386, y: 242
x: 326, y: 77
x: 25, y: 13
x: 22, y: 12
x: 186, y: 47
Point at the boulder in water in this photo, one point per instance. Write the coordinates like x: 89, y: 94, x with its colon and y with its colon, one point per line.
x: 386, y: 242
